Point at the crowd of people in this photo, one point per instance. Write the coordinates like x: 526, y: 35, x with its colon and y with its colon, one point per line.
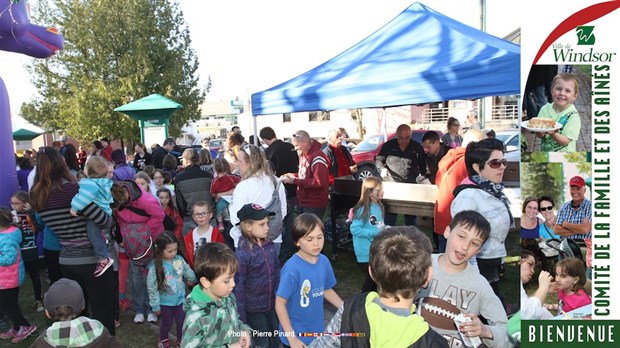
x: 229, y: 247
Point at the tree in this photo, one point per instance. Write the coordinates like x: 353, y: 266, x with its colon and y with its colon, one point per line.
x: 115, y: 52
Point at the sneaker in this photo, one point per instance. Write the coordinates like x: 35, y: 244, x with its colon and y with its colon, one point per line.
x: 38, y: 305
x: 151, y: 318
x: 139, y: 318
x: 8, y: 334
x: 124, y: 304
x: 23, y: 333
x: 103, y: 266
x: 164, y: 344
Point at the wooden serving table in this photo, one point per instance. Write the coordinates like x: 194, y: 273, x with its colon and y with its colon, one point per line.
x: 399, y: 198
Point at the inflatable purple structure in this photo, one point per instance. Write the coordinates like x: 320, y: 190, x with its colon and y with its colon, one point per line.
x: 18, y: 35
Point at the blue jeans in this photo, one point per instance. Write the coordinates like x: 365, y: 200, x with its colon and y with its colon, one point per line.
x: 139, y: 291
x: 96, y: 239
x: 264, y: 323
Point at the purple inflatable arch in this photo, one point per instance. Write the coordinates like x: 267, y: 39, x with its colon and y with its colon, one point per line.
x: 18, y: 35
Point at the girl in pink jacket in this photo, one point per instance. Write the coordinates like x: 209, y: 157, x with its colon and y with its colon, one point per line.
x: 140, y: 218
x: 11, y: 277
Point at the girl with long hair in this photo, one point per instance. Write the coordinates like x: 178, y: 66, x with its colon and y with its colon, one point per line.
x: 257, y: 186
x: 366, y: 222
x: 51, y: 197
x: 167, y: 276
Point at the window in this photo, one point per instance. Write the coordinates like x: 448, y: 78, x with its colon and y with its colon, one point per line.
x: 318, y: 116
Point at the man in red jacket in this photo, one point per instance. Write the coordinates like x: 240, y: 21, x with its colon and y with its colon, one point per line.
x: 312, y: 179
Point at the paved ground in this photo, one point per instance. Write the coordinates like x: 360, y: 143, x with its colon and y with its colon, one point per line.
x: 584, y: 107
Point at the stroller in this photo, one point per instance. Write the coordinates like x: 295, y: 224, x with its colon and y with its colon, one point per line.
x: 565, y: 248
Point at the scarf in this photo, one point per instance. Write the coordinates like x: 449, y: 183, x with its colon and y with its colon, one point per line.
x: 494, y: 190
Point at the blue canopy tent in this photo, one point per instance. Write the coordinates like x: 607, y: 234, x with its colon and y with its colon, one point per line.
x: 420, y: 56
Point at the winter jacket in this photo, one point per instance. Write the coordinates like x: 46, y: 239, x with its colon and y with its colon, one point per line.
x: 145, y: 201
x: 11, y: 263
x: 210, y: 323
x: 79, y: 332
x: 312, y: 179
x: 493, y: 209
x: 451, y: 172
x: 257, y: 277
x: 190, y: 244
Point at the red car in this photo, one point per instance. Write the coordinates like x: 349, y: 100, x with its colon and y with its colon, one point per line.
x: 364, y: 153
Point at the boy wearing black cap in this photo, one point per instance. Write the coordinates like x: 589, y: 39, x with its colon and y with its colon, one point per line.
x: 63, y: 303
x: 258, y: 274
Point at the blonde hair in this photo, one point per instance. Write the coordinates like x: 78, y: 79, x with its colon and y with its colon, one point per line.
x: 369, y: 184
x: 257, y: 163
x: 246, y: 230
x: 568, y: 78
x: 145, y: 177
x: 96, y: 167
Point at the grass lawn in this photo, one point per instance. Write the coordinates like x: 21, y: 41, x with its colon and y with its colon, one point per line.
x: 349, y: 281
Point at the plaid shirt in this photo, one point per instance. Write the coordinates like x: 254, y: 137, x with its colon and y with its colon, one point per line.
x: 567, y: 213
x: 74, y: 333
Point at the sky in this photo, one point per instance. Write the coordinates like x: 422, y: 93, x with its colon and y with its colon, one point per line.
x: 247, y: 46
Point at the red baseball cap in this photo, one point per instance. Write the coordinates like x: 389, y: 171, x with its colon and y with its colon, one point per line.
x: 577, y: 181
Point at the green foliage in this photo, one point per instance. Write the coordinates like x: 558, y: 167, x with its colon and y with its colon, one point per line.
x: 115, y: 52
x: 542, y: 178
x: 580, y: 160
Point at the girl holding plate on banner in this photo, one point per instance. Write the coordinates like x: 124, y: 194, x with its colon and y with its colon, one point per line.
x: 564, y: 91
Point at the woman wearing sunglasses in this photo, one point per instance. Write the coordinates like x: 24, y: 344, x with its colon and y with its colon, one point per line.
x: 545, y: 206
x: 530, y: 223
x: 481, y: 191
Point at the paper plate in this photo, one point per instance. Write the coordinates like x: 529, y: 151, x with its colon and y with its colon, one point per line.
x: 524, y: 124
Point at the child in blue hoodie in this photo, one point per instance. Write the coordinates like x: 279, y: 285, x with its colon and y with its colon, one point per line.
x: 96, y: 188
x: 367, y: 221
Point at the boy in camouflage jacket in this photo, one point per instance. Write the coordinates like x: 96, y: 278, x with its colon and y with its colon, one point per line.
x: 211, y: 309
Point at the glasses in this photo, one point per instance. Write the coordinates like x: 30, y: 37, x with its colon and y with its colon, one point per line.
x: 546, y: 208
x: 497, y: 163
x: 204, y: 213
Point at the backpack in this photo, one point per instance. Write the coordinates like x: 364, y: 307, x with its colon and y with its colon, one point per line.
x: 138, y: 242
x: 276, y: 222
x: 168, y: 223
x: 137, y: 237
